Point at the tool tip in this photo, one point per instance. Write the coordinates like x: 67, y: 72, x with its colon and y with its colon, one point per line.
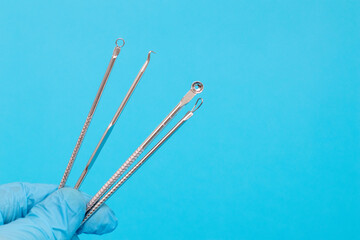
x: 196, y: 103
x: 123, y: 42
x: 148, y: 57
x: 197, y: 87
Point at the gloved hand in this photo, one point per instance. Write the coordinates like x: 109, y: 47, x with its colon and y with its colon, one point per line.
x: 40, y: 211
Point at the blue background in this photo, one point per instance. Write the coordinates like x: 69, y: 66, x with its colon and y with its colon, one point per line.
x: 272, y: 154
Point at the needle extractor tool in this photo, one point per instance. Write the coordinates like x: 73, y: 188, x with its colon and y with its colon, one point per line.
x: 91, y: 112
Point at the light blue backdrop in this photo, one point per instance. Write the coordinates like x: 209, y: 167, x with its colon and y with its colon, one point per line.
x: 272, y: 154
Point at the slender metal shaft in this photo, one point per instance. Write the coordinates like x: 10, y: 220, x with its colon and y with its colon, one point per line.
x: 112, y: 124
x: 91, y: 211
x: 89, y: 117
x: 196, y: 88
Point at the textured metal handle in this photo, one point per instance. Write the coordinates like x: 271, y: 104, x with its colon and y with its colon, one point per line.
x: 115, y: 177
x: 99, y: 204
x: 76, y: 150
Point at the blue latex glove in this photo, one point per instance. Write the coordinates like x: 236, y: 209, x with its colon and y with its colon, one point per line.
x: 40, y: 211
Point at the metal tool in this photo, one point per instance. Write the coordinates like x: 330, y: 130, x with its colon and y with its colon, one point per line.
x: 112, y: 123
x: 196, y: 88
x: 188, y: 115
x: 91, y: 113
